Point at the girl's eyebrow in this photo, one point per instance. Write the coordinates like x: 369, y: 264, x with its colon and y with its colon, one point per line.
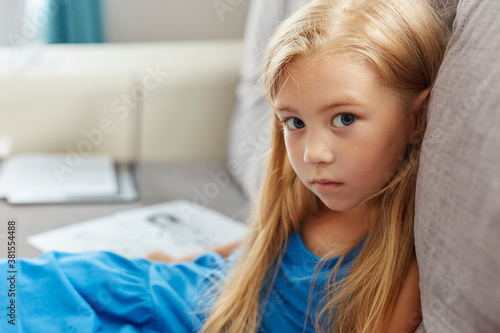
x: 285, y: 109
x: 347, y: 101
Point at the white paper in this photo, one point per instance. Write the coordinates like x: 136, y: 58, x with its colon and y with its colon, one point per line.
x: 44, y: 176
x: 176, y: 228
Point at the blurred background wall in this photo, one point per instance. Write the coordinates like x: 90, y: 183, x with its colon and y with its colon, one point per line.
x: 148, y: 20
x: 137, y: 20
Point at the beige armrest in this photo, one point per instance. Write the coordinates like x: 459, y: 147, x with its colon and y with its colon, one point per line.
x: 71, y: 92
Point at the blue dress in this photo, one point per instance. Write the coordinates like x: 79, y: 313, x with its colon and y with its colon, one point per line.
x: 104, y: 292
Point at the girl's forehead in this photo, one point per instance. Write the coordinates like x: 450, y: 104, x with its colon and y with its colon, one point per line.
x: 337, y: 70
x: 332, y: 79
x: 333, y: 69
x: 327, y: 65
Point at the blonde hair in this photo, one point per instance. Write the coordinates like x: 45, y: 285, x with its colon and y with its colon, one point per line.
x: 403, y: 41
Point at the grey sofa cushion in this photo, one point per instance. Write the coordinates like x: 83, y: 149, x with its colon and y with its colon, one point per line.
x: 457, y: 226
x: 250, y: 132
x: 446, y: 8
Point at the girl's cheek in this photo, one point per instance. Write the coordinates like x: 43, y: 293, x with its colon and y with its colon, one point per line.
x: 293, y: 140
x: 290, y: 134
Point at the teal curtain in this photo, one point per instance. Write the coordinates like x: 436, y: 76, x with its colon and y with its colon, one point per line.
x: 75, y: 21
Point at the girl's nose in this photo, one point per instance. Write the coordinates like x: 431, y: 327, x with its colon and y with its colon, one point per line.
x: 318, y: 149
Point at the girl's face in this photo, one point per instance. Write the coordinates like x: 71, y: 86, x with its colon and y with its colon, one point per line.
x: 345, y: 134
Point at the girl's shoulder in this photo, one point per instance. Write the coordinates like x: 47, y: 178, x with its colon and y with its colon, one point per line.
x: 407, y: 313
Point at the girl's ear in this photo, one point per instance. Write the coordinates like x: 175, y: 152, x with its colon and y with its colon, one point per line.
x: 419, y: 113
x: 421, y: 101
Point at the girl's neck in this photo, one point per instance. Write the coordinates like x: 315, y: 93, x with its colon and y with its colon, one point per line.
x: 329, y: 229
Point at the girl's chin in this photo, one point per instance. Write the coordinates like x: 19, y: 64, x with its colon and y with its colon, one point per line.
x: 338, y: 206
x: 334, y: 205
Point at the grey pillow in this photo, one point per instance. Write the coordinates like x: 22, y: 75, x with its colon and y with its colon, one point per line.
x: 249, y: 135
x: 446, y: 8
x: 457, y: 221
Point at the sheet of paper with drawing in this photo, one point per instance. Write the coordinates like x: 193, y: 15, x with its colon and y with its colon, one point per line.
x: 177, y: 228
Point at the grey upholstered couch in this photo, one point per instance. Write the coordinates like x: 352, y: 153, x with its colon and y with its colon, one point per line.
x: 458, y: 194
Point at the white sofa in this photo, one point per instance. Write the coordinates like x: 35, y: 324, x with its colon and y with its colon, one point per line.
x: 53, y: 94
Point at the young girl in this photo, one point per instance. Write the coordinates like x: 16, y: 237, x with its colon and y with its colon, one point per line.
x: 349, y: 82
x: 331, y: 243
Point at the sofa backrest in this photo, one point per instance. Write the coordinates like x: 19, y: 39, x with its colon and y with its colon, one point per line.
x: 457, y: 221
x: 55, y: 97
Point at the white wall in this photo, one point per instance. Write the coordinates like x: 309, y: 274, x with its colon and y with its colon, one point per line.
x: 154, y: 20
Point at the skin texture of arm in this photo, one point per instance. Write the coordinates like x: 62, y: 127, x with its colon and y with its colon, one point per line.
x: 224, y: 250
x: 407, y: 313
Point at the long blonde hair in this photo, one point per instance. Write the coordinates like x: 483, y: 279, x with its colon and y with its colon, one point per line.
x: 403, y: 41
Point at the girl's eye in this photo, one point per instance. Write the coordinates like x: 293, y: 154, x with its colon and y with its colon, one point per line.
x: 344, y: 120
x: 295, y: 123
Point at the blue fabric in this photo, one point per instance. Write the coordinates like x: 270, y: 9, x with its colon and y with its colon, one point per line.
x: 286, y: 309
x: 104, y: 292
x: 75, y: 21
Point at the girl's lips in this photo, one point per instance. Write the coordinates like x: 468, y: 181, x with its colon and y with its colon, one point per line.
x: 325, y: 186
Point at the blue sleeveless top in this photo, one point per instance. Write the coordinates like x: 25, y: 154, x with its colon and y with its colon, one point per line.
x: 104, y: 292
x: 287, y: 306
